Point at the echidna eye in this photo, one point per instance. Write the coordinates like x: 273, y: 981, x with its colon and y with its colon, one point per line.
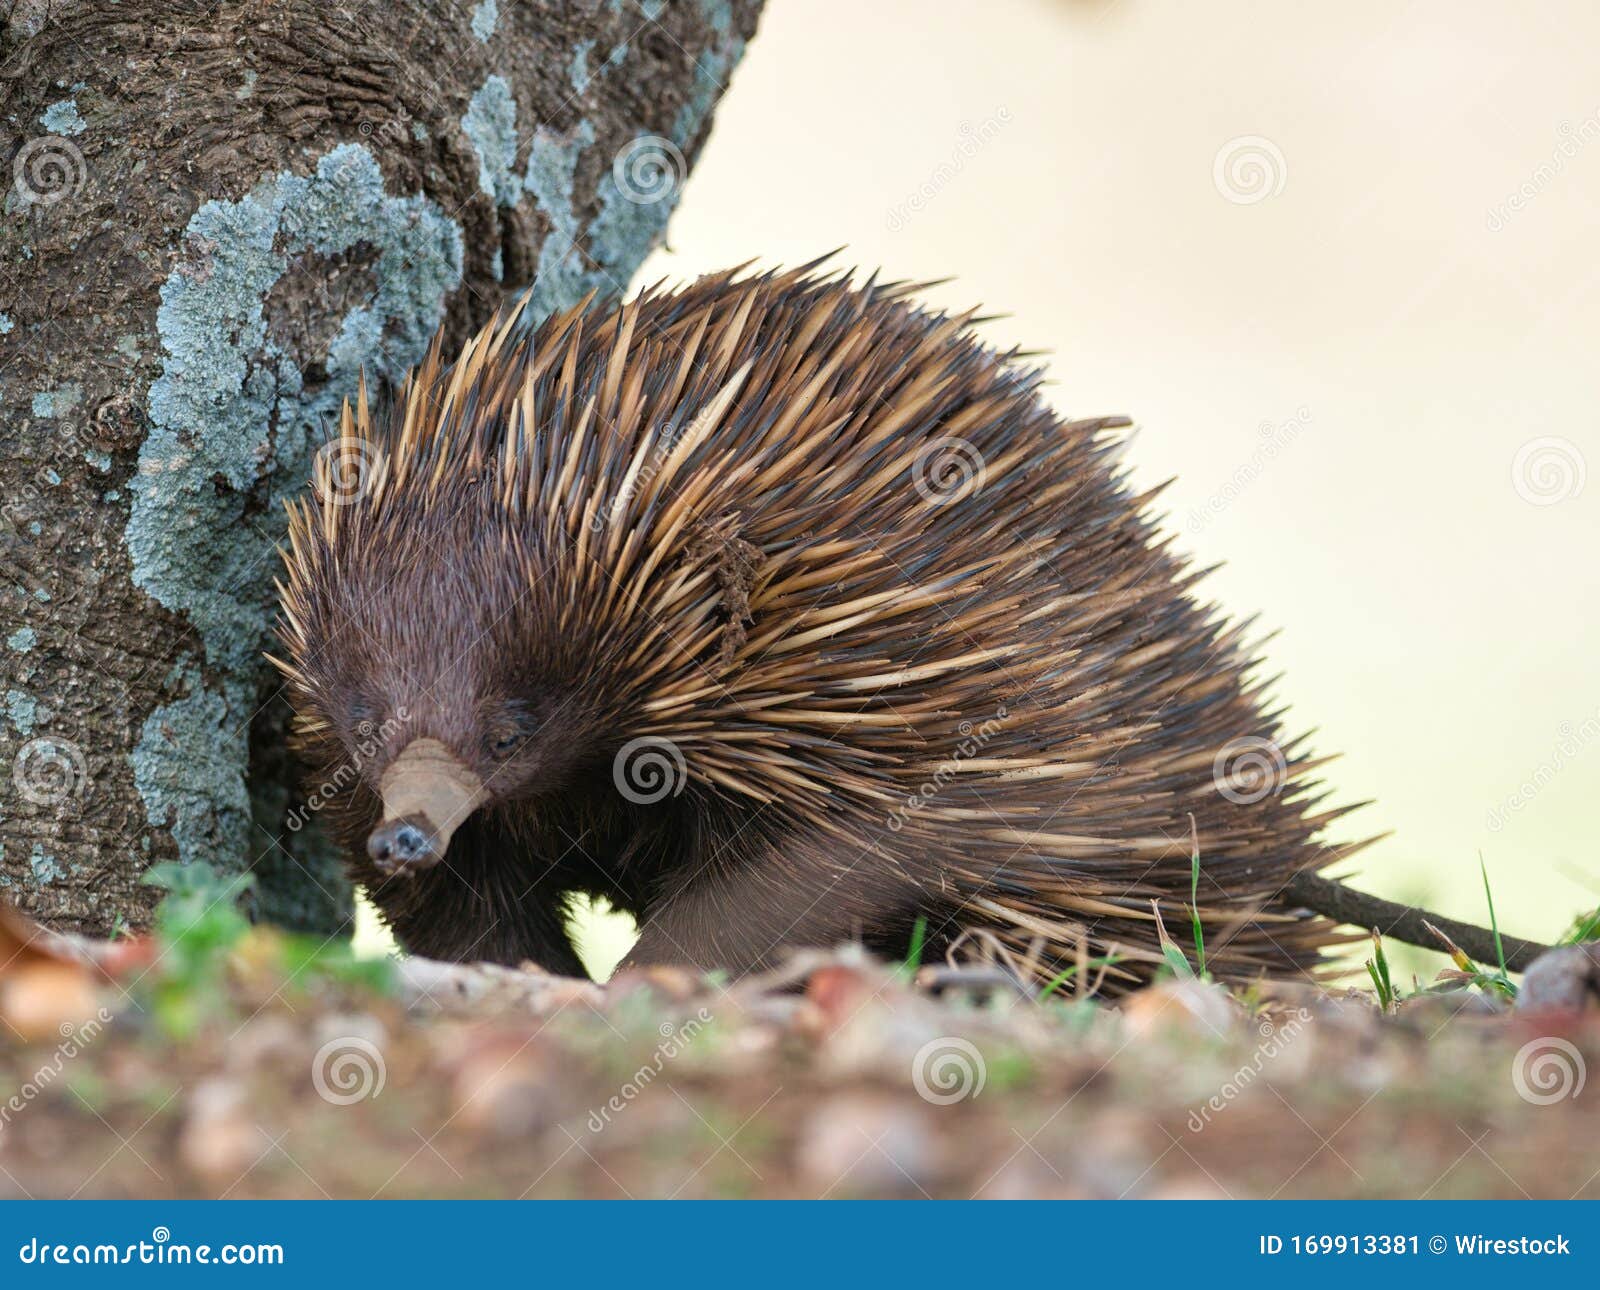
x: 505, y: 743
x: 364, y: 717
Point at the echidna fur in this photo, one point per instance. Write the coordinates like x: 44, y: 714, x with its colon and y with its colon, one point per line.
x: 912, y: 642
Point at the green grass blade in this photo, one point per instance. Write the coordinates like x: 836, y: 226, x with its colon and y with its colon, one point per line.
x: 1499, y: 949
x: 1194, y: 897
x: 919, y: 934
x: 1066, y: 974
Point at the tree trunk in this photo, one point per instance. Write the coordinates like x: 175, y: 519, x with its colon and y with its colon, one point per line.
x: 218, y: 215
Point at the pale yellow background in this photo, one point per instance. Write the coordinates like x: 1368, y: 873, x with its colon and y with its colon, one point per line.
x: 1437, y: 628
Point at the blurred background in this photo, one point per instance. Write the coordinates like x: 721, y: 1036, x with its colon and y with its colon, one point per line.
x: 1338, y: 265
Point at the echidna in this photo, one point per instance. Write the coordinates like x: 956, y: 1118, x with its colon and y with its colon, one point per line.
x: 777, y: 611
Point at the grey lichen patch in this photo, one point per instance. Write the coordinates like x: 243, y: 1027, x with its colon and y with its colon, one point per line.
x: 57, y: 402
x: 6, y: 324
x: 562, y: 275
x: 45, y: 867
x: 578, y: 69
x: 485, y: 17
x: 626, y: 229
x: 711, y: 72
x: 22, y: 640
x: 233, y: 422
x: 22, y: 711
x: 490, y: 125
x: 63, y: 118
x: 189, y: 769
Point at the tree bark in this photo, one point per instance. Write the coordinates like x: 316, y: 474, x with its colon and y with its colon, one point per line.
x: 216, y: 216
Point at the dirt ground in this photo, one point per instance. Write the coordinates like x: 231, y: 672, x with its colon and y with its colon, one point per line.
x: 260, y: 1067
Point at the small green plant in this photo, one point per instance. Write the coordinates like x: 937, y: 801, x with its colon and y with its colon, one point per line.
x: 1378, y: 970
x: 197, y: 923
x: 1066, y: 974
x: 1585, y: 927
x: 1498, y: 982
x: 1194, y: 897
x: 199, y: 919
x: 913, y: 959
x: 1494, y: 923
x: 1172, y: 957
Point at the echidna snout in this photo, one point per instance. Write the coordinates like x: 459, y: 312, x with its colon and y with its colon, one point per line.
x: 427, y: 792
x: 403, y: 846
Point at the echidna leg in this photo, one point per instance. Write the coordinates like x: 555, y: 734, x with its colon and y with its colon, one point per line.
x: 743, y: 920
